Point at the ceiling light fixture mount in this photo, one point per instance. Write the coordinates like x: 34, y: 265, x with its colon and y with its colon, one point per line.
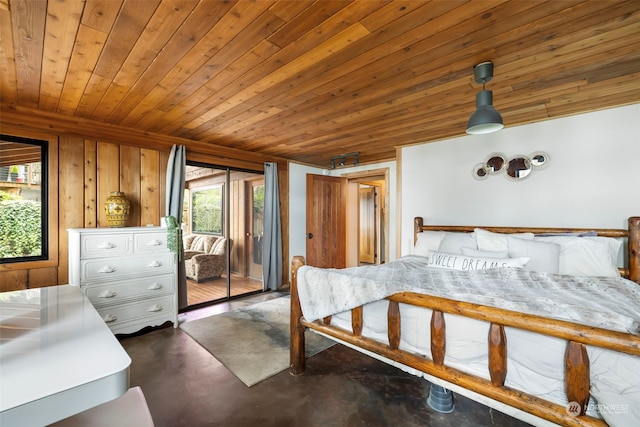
x: 342, y: 159
x: 486, y: 118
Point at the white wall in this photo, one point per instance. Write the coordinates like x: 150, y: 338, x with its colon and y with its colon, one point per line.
x: 297, y: 202
x: 591, y: 181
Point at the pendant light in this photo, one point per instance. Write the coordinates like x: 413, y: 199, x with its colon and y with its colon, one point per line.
x: 486, y: 118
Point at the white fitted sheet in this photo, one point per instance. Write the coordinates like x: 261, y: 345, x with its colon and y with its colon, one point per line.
x: 535, y: 362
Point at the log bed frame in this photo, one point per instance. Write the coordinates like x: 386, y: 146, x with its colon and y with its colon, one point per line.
x: 577, y: 383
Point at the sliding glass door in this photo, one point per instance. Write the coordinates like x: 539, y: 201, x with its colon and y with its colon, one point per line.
x: 222, y: 229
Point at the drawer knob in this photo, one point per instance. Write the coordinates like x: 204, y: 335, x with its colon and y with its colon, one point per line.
x: 154, y: 243
x: 107, y: 294
x: 106, y: 245
x: 109, y: 318
x: 155, y: 307
x: 107, y: 269
x: 155, y: 286
x: 155, y: 264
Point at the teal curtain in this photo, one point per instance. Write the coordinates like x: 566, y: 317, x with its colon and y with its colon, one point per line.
x: 272, y: 238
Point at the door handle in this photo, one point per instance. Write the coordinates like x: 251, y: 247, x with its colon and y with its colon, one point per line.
x: 310, y: 236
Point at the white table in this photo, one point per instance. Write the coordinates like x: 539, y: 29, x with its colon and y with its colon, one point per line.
x: 57, y: 357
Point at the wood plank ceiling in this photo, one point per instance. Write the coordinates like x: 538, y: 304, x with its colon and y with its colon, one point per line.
x: 308, y: 80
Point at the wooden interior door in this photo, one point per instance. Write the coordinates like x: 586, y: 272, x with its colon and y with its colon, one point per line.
x: 326, y: 221
x: 367, y: 242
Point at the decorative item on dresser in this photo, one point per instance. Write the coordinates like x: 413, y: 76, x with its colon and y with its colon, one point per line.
x: 127, y: 273
x: 117, y: 209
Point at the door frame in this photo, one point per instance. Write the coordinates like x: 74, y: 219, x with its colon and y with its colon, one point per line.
x: 380, y: 176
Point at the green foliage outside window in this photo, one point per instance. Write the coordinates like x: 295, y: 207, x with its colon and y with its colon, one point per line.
x: 206, y: 210
x: 20, y: 227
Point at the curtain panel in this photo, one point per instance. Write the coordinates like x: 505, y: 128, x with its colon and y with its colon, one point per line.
x: 272, y: 240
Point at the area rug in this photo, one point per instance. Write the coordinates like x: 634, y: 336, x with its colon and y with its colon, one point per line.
x: 252, y: 342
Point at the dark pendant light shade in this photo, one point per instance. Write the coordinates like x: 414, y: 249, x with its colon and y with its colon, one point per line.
x: 486, y: 118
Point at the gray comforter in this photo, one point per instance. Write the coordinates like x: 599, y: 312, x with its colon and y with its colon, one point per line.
x: 607, y: 302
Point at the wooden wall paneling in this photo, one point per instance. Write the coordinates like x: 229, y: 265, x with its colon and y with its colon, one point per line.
x: 149, y: 187
x: 90, y: 184
x: 13, y: 280
x: 162, y: 181
x: 130, y: 175
x: 108, y: 167
x: 71, y: 196
x: 49, y: 276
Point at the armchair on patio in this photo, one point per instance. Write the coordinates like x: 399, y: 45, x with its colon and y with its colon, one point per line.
x: 205, y: 256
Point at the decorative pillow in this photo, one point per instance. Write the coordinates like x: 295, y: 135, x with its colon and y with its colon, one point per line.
x: 427, y: 241
x: 462, y: 262
x: 489, y: 241
x: 454, y: 242
x: 543, y: 256
x: 587, y: 256
x: 485, y: 254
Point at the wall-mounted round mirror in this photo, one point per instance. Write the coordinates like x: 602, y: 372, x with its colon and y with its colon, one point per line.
x: 518, y: 168
x: 496, y: 163
x: 539, y: 159
x: 480, y: 172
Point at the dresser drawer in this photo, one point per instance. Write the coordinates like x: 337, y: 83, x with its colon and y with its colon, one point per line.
x: 122, y: 313
x: 147, y: 287
x: 112, y: 268
x: 105, y: 245
x: 150, y: 242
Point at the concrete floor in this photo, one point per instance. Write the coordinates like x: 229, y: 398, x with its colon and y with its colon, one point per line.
x: 186, y: 386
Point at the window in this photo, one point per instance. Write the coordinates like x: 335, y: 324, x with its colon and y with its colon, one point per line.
x: 23, y: 199
x: 206, y: 210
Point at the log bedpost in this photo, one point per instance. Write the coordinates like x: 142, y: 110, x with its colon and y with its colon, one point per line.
x: 357, y: 320
x: 417, y: 227
x: 577, y: 379
x: 497, y: 355
x: 296, y: 349
x: 393, y: 325
x: 438, y: 337
x: 634, y: 249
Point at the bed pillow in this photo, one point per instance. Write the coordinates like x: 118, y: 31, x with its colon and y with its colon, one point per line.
x: 485, y: 254
x: 543, y: 256
x: 463, y: 262
x: 454, y: 242
x: 587, y: 256
x: 427, y: 241
x: 489, y: 241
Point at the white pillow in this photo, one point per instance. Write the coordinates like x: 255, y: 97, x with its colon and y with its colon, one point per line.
x: 587, y: 256
x: 544, y: 256
x: 462, y: 262
x: 454, y: 242
x: 489, y: 241
x: 427, y: 241
x: 485, y: 254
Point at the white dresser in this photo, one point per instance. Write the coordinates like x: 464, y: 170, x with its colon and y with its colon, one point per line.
x: 128, y: 274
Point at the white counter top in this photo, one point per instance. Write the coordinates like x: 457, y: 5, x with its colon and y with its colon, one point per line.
x: 57, y: 356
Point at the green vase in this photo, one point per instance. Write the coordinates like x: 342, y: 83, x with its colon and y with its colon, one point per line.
x: 117, y: 209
